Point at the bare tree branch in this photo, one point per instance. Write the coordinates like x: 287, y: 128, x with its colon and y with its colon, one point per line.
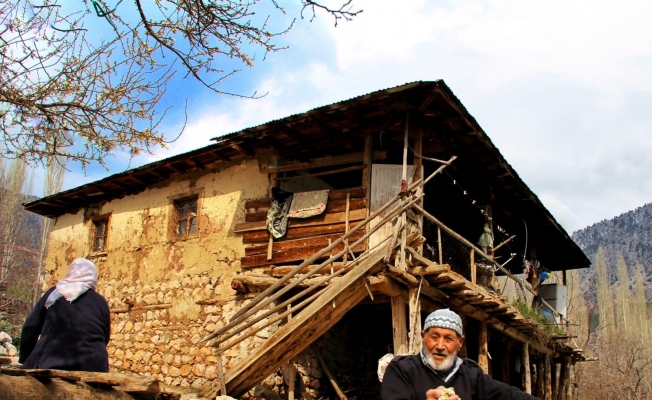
x: 58, y: 74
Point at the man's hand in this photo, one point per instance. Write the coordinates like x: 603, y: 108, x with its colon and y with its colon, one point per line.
x: 436, y: 394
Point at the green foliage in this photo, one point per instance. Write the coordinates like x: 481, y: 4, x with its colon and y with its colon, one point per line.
x: 532, y: 314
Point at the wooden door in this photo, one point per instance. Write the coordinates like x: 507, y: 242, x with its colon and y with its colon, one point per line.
x: 385, y: 184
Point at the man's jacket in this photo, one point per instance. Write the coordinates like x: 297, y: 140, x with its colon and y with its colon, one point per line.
x: 407, y: 378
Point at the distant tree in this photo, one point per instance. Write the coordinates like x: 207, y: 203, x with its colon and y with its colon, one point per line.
x: 69, y: 89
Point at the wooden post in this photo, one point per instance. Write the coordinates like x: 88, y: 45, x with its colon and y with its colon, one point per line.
x: 415, y: 321
x: 346, y: 228
x: 398, y: 325
x: 540, y: 378
x: 366, y: 172
x: 418, y: 165
x: 554, y: 380
x: 463, y: 352
x: 439, y: 246
x: 569, y: 381
x: 483, y: 348
x: 526, y: 366
x: 561, y: 390
x: 473, y: 271
x: 292, y: 373
x: 402, y: 264
x: 505, y: 364
x: 547, y: 378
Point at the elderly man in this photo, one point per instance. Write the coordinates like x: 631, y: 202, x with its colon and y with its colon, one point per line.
x: 437, y: 373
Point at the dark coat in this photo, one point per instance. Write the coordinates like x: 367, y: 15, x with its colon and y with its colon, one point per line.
x: 73, y: 335
x: 406, y: 378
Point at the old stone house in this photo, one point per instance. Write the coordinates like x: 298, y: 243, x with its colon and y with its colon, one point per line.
x: 422, y: 212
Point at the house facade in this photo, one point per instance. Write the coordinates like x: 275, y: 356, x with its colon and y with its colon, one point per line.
x: 202, y: 294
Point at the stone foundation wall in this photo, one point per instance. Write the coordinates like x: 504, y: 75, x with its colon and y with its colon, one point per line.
x: 165, y: 340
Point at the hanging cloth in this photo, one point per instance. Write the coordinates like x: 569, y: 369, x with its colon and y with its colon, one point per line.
x: 486, y: 241
x: 308, y: 204
x: 277, y: 215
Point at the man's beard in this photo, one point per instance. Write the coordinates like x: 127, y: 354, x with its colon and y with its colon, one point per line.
x: 443, y: 366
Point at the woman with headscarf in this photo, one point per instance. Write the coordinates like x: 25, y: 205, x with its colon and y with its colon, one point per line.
x: 73, y: 322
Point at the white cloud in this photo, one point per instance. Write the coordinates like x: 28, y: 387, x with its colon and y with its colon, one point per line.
x: 562, y: 88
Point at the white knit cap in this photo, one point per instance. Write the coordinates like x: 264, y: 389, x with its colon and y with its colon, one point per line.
x: 444, y: 318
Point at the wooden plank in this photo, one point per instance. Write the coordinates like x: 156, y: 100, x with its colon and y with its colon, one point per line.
x: 335, y: 206
x: 333, y: 195
x: 399, y: 322
x: 298, y: 244
x: 266, y: 281
x: 295, y: 233
x: 303, y: 329
x: 323, y: 219
x: 483, y: 347
x: 291, y: 255
x: 322, y: 162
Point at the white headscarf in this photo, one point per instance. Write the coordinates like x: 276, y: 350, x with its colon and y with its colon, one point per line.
x: 82, y: 276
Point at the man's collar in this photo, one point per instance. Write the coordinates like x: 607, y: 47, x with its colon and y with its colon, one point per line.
x: 443, y: 375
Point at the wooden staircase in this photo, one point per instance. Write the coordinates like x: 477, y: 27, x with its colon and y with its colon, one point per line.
x: 305, y: 327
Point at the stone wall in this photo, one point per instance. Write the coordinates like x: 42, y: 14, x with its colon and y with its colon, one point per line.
x: 155, y: 339
x: 155, y: 283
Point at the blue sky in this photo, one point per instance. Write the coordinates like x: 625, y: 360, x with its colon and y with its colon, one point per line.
x: 563, y: 88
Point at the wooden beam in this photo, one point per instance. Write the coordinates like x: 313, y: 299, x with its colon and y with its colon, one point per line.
x: 240, y: 148
x: 483, y: 348
x: 331, y: 208
x: 333, y: 196
x: 429, y: 270
x: 350, y: 158
x: 304, y: 328
x: 322, y: 173
x: 399, y: 328
x: 386, y: 285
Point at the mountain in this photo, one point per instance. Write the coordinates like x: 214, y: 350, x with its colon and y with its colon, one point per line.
x: 629, y: 233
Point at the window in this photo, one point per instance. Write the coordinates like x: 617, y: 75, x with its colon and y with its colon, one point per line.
x: 100, y: 234
x: 186, y: 216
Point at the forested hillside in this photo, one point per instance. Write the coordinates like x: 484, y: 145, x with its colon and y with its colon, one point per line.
x: 629, y: 234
